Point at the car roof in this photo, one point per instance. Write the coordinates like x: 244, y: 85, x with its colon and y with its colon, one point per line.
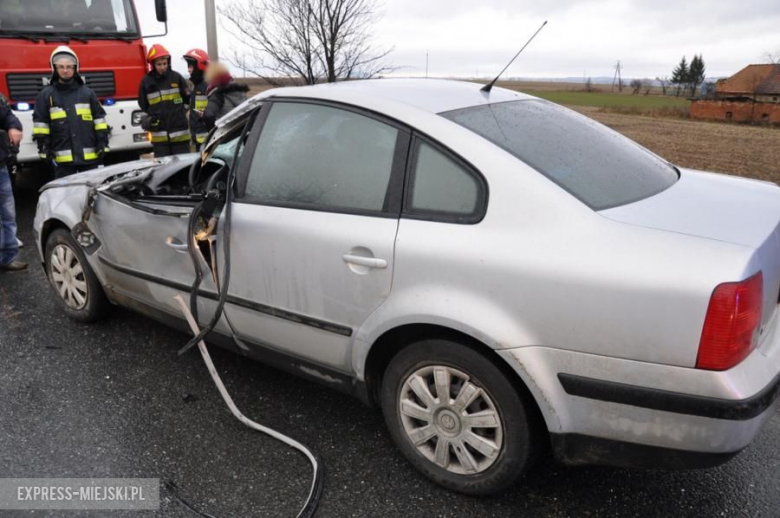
x: 431, y: 95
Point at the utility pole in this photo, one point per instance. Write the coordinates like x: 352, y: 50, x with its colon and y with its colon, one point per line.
x: 211, y: 31
x: 617, y: 80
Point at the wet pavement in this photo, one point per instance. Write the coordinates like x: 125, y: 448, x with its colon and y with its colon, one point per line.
x: 113, y: 399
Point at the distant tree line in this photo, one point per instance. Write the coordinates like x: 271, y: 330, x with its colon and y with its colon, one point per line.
x: 687, y: 77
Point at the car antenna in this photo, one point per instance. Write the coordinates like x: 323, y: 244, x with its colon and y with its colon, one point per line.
x: 489, y: 86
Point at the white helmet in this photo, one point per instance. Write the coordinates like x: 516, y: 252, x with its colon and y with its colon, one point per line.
x: 63, y: 51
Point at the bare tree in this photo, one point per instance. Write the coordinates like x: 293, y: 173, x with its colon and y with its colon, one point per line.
x: 664, y: 82
x: 636, y: 85
x: 773, y: 57
x: 755, y: 81
x: 647, y: 85
x: 307, y: 41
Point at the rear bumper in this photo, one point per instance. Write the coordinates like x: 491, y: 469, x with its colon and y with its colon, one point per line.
x: 668, y: 401
x: 577, y: 450
x: 603, y: 410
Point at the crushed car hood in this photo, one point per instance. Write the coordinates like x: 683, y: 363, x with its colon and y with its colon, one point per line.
x: 162, y: 169
x: 709, y: 205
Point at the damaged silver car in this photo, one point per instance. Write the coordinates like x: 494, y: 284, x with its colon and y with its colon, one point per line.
x: 500, y: 275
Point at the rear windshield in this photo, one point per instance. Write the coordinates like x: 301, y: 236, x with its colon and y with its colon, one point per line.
x: 597, y: 165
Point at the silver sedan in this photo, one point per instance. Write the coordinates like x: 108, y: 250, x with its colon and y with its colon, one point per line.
x: 500, y: 275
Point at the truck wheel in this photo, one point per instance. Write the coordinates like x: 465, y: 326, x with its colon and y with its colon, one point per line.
x: 457, y: 417
x: 77, y: 287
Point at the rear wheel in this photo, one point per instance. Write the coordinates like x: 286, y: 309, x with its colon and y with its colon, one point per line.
x: 458, y: 418
x: 76, y: 285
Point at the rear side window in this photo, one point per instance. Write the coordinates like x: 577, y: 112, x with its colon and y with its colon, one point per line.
x: 595, y: 164
x: 442, y: 186
x: 322, y: 158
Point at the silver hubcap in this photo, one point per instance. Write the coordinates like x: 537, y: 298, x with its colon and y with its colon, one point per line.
x: 450, y: 421
x: 67, y: 275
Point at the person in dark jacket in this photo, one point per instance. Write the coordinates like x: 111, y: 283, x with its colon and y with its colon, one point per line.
x: 11, y: 130
x: 163, y: 95
x: 223, y: 92
x: 197, y: 61
x: 70, y: 125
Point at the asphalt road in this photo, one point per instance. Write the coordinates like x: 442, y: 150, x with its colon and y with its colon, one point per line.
x: 114, y: 400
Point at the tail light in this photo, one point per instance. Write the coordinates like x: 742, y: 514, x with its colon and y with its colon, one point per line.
x: 732, y: 323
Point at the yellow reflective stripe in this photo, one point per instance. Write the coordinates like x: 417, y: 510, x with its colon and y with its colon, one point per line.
x: 83, y: 109
x: 159, y: 136
x: 41, y: 128
x: 169, y: 91
x: 201, y: 101
x: 154, y: 97
x: 101, y: 126
x: 63, y: 156
x: 42, y: 155
x: 90, y: 153
x: 180, y: 138
x: 200, y: 138
x: 56, y: 113
x: 171, y: 97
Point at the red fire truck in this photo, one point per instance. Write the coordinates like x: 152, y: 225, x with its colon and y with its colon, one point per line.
x: 105, y: 35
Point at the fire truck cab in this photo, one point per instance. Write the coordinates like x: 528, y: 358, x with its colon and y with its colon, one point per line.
x: 105, y: 35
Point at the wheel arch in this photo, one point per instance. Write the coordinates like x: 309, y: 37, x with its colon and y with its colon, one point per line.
x: 394, y: 340
x: 49, y: 226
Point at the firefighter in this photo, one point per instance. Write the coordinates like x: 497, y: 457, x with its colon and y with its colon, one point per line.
x: 69, y: 123
x: 197, y: 61
x: 163, y: 95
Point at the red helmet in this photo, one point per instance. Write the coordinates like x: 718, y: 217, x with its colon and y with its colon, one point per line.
x: 199, y: 57
x: 157, y: 51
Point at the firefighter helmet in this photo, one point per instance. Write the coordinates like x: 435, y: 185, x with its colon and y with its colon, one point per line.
x: 157, y: 51
x: 60, y: 53
x: 198, y: 58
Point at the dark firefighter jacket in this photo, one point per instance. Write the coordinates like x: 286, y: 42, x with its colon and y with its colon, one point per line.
x: 69, y: 124
x: 198, y: 102
x: 222, y: 100
x: 164, y: 98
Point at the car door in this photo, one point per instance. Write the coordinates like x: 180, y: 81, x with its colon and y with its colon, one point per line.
x: 144, y: 256
x: 313, y: 229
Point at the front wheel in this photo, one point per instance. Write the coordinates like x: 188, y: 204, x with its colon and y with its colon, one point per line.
x: 78, y: 289
x: 457, y: 417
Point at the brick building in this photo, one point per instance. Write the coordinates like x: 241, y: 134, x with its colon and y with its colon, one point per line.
x: 750, y: 95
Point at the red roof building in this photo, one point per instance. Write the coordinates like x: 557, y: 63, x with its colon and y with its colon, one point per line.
x: 750, y: 95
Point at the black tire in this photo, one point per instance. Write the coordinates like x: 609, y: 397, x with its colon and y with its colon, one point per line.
x: 95, y: 304
x: 518, y: 445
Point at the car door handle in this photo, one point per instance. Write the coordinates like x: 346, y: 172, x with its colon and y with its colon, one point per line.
x: 176, y: 244
x: 370, y: 262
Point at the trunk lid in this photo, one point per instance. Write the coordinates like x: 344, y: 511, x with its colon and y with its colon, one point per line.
x: 720, y: 207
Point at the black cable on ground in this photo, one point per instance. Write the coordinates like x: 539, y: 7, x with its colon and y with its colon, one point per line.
x: 171, y: 486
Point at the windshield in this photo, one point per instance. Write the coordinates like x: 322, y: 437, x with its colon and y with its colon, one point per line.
x: 85, y: 17
x: 595, y: 164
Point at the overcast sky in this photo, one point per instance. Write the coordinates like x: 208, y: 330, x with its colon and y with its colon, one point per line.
x: 467, y: 38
